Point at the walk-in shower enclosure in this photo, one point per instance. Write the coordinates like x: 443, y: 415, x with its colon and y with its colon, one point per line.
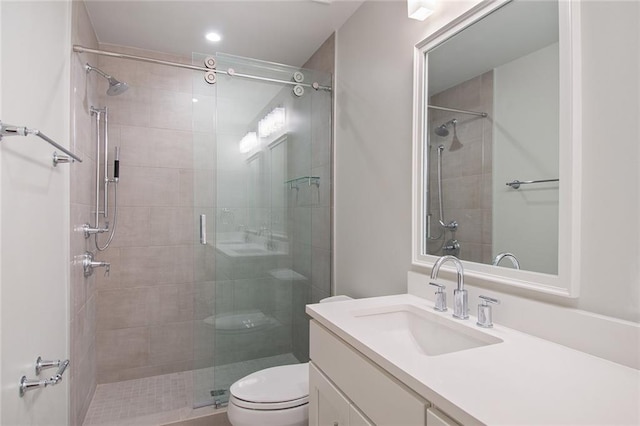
x: 223, y: 228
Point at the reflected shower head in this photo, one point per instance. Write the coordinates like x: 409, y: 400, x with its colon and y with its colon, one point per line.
x: 115, y: 87
x: 443, y: 130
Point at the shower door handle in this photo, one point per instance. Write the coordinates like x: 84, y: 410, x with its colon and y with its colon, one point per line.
x: 203, y: 229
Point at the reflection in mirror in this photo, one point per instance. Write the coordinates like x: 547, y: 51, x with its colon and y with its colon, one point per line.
x: 493, y: 118
x: 278, y: 171
x: 255, y: 195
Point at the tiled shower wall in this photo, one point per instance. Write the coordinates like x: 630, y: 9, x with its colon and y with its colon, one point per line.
x: 83, y: 290
x: 146, y: 307
x: 466, y: 172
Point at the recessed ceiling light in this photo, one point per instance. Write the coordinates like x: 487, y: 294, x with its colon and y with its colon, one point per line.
x: 213, y: 37
x: 195, y: 99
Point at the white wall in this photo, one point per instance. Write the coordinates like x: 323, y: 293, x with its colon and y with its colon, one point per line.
x: 34, y: 195
x: 373, y: 152
x: 525, y: 147
x: 373, y: 124
x: 611, y: 147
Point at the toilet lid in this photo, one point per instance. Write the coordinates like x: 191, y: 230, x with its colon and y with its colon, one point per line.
x: 276, y: 385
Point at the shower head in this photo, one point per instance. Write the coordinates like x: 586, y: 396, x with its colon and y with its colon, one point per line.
x: 443, y: 130
x: 115, y: 87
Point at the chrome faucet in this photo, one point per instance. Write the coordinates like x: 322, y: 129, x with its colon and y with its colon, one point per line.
x: 509, y: 256
x: 460, y: 298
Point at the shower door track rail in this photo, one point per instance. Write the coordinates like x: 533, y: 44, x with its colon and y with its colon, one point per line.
x: 230, y: 72
x: 461, y: 111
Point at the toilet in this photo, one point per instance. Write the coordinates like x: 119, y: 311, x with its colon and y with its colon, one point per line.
x: 277, y: 396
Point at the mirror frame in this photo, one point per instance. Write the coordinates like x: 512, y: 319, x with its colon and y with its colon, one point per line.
x: 566, y: 283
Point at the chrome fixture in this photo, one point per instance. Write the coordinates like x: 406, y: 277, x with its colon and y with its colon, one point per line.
x: 103, y: 149
x: 485, y: 319
x: 60, y: 159
x: 451, y: 247
x: 461, y: 111
x: 441, y: 297
x: 298, y: 77
x: 298, y: 90
x: 460, y: 298
x: 510, y: 256
x: 31, y: 384
x: 453, y: 225
x: 443, y: 130
x: 11, y: 130
x: 116, y: 87
x: 516, y: 183
x: 203, y: 229
x: 88, y: 264
x: 209, y: 70
x: 42, y: 364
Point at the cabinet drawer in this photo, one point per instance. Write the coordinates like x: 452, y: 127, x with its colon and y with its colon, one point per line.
x: 438, y: 418
x: 380, y: 397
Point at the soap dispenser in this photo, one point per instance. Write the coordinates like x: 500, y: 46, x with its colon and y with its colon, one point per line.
x: 485, y: 319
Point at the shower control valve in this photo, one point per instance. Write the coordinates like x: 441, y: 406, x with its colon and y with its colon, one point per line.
x: 88, y: 230
x: 451, y: 226
x: 89, y: 264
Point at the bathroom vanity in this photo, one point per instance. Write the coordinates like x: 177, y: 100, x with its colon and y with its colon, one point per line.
x: 393, y: 360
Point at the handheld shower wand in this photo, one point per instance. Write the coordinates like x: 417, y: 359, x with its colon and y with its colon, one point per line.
x: 103, y: 149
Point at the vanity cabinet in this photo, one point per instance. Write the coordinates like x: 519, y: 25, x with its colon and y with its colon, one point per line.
x: 329, y: 406
x: 346, y: 388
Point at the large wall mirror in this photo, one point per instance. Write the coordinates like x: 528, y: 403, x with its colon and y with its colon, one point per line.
x: 496, y: 144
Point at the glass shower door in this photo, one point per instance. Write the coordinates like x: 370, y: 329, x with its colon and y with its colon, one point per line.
x: 257, y: 195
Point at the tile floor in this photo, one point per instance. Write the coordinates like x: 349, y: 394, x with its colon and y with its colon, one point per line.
x: 142, y: 401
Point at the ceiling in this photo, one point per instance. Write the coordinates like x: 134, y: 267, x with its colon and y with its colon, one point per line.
x: 512, y: 31
x: 286, y: 32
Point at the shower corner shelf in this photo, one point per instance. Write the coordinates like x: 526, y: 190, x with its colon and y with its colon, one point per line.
x: 310, y: 180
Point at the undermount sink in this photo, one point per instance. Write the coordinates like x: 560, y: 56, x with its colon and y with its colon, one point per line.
x: 410, y: 328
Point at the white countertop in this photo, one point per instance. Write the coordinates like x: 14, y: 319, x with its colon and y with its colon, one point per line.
x: 524, y: 380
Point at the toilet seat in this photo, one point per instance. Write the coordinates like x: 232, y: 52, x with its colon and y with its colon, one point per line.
x: 275, y: 388
x: 261, y: 406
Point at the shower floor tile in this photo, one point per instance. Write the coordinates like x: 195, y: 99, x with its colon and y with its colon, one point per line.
x: 143, y: 401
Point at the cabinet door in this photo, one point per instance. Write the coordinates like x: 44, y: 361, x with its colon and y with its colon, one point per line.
x: 438, y: 418
x: 380, y: 396
x: 327, y: 406
x: 356, y: 418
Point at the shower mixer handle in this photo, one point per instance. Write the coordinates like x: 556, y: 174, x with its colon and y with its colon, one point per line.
x: 451, y: 226
x: 89, y: 264
x: 88, y: 230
